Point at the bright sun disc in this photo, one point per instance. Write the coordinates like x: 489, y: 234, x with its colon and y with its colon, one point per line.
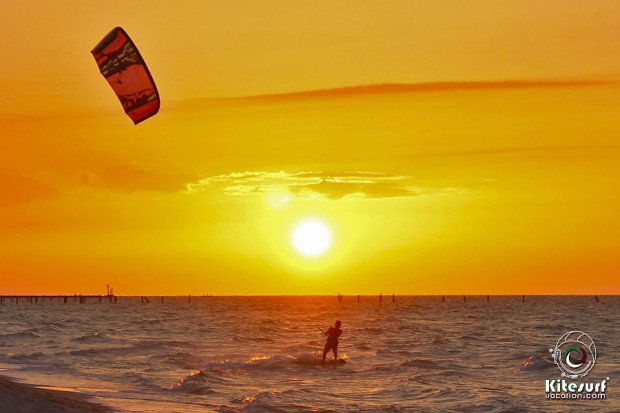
x: 311, y: 238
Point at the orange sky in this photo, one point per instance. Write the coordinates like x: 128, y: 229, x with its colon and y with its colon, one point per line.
x: 501, y: 178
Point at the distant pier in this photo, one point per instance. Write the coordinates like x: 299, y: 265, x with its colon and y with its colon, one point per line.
x: 112, y: 298
x: 77, y: 298
x: 91, y: 298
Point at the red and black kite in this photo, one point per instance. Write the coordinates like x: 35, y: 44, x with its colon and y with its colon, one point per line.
x: 123, y: 67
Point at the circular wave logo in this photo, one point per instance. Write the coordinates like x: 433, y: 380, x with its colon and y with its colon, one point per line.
x: 574, y: 354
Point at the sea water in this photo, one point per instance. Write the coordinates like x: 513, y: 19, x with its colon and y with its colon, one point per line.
x: 262, y: 354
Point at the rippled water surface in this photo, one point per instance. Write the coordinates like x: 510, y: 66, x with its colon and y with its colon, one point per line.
x: 260, y: 354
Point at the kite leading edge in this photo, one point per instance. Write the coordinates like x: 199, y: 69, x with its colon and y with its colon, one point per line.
x: 123, y: 67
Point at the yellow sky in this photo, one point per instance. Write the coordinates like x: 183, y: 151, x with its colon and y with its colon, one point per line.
x: 500, y: 179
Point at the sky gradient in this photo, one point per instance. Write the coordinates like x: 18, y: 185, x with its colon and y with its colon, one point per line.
x: 450, y: 148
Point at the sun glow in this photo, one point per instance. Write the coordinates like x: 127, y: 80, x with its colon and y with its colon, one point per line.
x: 311, y: 238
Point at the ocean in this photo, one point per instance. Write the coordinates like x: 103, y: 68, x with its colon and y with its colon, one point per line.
x: 262, y: 354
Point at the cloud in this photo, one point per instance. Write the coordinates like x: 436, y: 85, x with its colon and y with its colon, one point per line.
x: 393, y: 88
x: 398, y: 88
x: 510, y: 150
x: 315, y: 185
x: 133, y: 178
x: 18, y: 189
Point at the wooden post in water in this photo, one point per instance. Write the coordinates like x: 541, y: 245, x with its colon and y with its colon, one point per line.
x: 115, y: 299
x: 162, y: 299
x: 465, y: 299
x: 488, y: 298
x: 443, y: 298
x: 358, y: 298
x: 596, y: 298
x: 523, y: 299
x: 380, y: 297
x: 189, y: 298
x: 393, y: 297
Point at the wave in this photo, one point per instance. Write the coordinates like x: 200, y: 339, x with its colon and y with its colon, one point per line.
x: 540, y: 362
x: 196, y: 383
x: 27, y: 334
x: 315, y: 359
x: 180, y: 359
x: 89, y: 338
x: 24, y: 357
x: 142, y: 381
x: 424, y: 364
x: 259, y: 403
x: 436, y: 341
x: 256, y: 339
x: 416, y: 379
x: 277, y: 362
x: 90, y: 352
x: 144, y: 347
x: 275, y: 401
x: 470, y: 337
x: 371, y: 330
x: 157, y: 344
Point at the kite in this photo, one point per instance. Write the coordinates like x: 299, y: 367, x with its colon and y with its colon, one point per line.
x: 123, y: 67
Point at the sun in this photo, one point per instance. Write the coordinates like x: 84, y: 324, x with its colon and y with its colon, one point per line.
x: 311, y: 237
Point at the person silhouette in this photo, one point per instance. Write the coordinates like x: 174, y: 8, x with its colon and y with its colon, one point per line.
x: 332, y: 340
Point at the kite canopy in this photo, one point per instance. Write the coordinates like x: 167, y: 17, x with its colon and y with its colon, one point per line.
x: 123, y: 67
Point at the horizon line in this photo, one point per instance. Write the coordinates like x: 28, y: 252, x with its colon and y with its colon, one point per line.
x: 320, y: 295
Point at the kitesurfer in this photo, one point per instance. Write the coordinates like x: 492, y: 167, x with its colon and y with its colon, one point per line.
x: 332, y: 340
